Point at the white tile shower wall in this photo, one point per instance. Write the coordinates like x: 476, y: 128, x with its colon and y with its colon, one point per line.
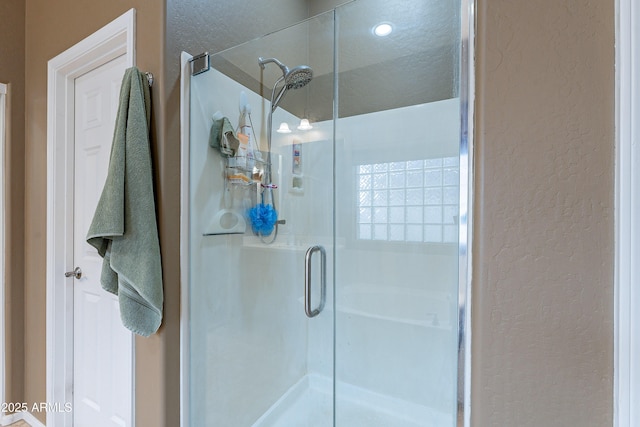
x: 412, y: 133
x: 391, y: 344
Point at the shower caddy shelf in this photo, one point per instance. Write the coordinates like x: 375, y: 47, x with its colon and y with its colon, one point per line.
x: 244, y: 175
x: 239, y: 176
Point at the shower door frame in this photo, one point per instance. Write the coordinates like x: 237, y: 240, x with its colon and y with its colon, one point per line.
x: 465, y: 230
x: 185, y: 99
x: 467, y: 120
x: 626, y: 388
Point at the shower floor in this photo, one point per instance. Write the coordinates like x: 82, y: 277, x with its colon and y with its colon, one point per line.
x: 308, y: 403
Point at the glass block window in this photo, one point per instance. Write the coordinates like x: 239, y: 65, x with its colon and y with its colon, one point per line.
x: 409, y: 201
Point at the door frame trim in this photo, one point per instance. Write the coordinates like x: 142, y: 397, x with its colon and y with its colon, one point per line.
x: 3, y: 132
x: 627, y: 210
x: 111, y: 41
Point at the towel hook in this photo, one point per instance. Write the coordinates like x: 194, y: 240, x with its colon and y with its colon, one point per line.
x: 149, y: 78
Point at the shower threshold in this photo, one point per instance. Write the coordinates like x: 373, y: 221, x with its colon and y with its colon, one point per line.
x: 308, y: 403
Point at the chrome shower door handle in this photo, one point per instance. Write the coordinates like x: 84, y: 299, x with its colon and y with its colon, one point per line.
x: 307, y: 280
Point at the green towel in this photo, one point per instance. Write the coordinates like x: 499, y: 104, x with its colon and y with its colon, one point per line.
x: 223, y: 137
x: 124, y: 229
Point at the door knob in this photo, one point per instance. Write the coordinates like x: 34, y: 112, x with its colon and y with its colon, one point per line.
x: 77, y: 273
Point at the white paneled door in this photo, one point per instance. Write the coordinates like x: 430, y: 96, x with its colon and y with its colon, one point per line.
x: 102, y: 347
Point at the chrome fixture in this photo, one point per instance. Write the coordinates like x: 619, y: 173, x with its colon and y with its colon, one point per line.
x: 293, y: 78
x: 307, y: 280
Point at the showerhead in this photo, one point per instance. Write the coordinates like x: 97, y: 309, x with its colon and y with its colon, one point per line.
x: 294, y: 78
x: 298, y: 77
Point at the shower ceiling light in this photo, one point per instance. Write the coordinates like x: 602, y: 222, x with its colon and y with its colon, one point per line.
x: 284, y: 128
x: 305, y: 125
x: 383, y: 29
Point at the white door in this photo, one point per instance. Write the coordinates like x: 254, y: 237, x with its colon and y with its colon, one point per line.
x: 102, y: 347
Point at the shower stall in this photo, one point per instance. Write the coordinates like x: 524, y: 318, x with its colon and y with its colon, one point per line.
x: 324, y: 226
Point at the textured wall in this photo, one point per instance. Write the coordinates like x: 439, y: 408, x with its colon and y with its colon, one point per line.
x: 543, y: 302
x: 51, y: 28
x: 212, y: 26
x: 317, y: 7
x: 12, y: 73
x: 543, y: 251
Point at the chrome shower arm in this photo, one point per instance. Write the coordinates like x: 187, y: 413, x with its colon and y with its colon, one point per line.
x: 262, y: 61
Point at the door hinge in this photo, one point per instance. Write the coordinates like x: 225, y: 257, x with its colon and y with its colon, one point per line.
x: 200, y: 63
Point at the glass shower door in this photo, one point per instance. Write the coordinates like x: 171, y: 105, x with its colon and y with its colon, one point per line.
x: 261, y: 232
x: 397, y: 213
x: 326, y: 198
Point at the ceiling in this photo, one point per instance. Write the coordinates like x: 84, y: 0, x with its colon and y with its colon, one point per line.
x: 417, y: 63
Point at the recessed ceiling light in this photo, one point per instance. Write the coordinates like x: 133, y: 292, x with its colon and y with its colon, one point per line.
x: 383, y: 29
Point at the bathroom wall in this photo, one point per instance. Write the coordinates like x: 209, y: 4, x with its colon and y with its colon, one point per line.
x: 195, y: 26
x: 544, y: 226
x: 51, y: 28
x: 317, y: 7
x: 543, y: 287
x: 12, y: 33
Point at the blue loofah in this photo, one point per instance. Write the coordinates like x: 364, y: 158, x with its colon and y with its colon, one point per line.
x: 263, y: 218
